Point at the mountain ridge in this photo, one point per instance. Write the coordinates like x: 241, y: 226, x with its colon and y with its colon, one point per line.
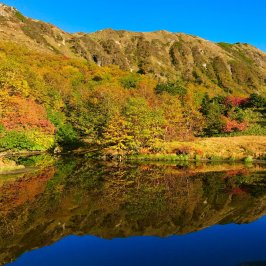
x: 220, y: 67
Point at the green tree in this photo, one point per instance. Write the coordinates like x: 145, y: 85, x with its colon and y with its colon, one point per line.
x: 145, y: 125
x: 171, y: 88
x: 256, y: 101
x: 130, y: 81
x: 214, y: 122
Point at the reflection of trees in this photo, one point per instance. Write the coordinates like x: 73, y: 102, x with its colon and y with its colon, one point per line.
x: 122, y: 200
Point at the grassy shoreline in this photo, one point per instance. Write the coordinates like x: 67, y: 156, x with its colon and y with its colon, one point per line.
x: 233, y: 149
x: 219, y: 149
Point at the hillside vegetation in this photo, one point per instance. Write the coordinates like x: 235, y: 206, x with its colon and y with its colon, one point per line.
x: 219, y: 67
x: 55, y: 96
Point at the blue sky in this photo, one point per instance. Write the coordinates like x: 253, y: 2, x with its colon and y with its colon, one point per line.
x: 224, y: 20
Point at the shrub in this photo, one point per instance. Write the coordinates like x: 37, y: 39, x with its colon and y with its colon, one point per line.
x: 183, y: 151
x: 65, y: 133
x: 67, y: 136
x: 130, y: 81
x: 26, y: 140
x: 248, y: 159
x: 20, y: 16
x: 15, y: 140
x: 197, y: 157
x: 171, y: 88
x: 256, y: 101
x: 235, y: 101
x: 233, y: 125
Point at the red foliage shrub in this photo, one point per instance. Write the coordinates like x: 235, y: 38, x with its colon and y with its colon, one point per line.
x: 21, y: 113
x: 233, y: 125
x: 199, y: 152
x: 235, y: 101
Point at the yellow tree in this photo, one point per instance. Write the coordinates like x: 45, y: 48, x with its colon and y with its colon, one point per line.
x: 173, y: 114
x: 116, y: 136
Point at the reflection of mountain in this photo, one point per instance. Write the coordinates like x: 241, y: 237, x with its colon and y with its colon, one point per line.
x: 119, y: 201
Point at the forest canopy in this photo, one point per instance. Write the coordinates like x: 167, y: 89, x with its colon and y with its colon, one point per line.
x: 51, y: 100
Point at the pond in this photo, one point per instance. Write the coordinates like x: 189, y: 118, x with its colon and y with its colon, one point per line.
x: 77, y: 211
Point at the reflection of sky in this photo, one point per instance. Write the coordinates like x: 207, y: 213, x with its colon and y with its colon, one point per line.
x: 227, y: 245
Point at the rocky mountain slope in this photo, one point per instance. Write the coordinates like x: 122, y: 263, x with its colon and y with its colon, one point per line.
x: 238, y: 68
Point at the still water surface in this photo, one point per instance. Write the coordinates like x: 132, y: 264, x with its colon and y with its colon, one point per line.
x: 82, y: 212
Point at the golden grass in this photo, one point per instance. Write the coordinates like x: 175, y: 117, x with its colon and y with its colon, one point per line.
x: 224, y: 147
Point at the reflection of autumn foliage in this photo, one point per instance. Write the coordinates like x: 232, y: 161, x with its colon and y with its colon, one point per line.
x: 233, y: 125
x: 21, y: 113
x: 23, y: 189
x: 239, y: 191
x: 233, y: 187
x: 119, y: 200
x: 234, y: 173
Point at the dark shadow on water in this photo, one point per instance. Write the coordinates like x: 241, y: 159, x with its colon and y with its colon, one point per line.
x: 258, y: 263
